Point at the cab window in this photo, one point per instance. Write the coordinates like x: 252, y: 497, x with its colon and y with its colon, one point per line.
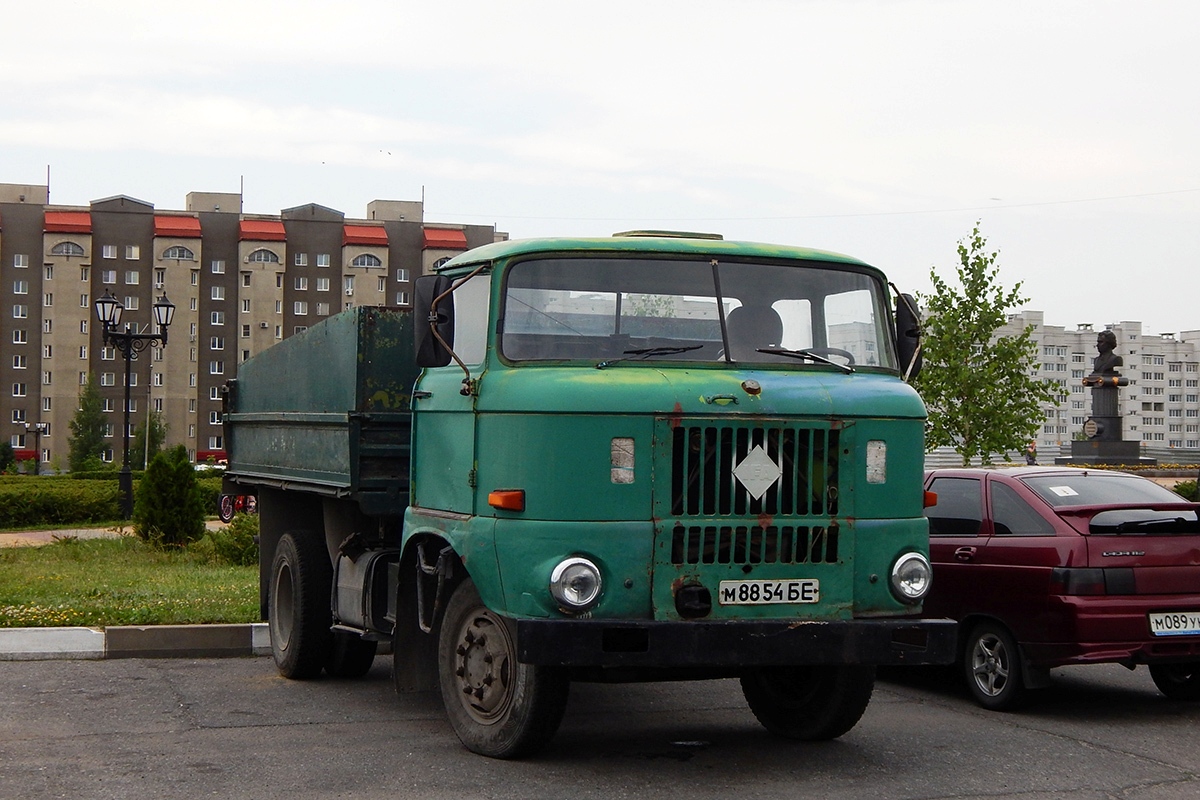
x: 959, y: 509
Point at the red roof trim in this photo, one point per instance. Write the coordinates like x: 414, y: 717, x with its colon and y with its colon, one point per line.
x: 261, y: 230
x: 371, y: 235
x: 177, y: 227
x: 445, y: 239
x: 68, y: 222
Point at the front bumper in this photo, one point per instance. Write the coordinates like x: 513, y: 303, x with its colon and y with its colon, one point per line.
x: 607, y: 643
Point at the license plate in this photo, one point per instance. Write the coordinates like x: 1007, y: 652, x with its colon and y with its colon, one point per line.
x: 1175, y: 623
x: 761, y: 593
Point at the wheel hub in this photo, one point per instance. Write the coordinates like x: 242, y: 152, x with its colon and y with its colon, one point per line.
x: 484, y: 667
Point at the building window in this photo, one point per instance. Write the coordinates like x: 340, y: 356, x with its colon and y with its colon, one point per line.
x: 382, y: 284
x: 160, y: 278
x: 195, y: 277
x: 323, y: 259
x: 20, y: 287
x: 132, y: 252
x: 264, y: 256
x: 216, y: 368
x: 20, y: 260
x: 47, y: 350
x: 246, y: 305
x: 300, y: 259
x: 214, y: 443
x: 246, y: 279
x: 49, y: 272
x: 217, y: 318
x: 67, y: 249
x: 83, y: 302
x: 401, y: 298
x: 301, y: 283
x: 322, y: 284
x: 218, y: 293
x: 214, y: 393
x: 20, y: 336
x: 348, y: 284
x: 216, y: 343
x: 217, y: 267
x: 300, y: 308
x: 158, y: 379
x: 158, y: 405
x: 131, y: 303
x: 132, y: 277
x: 19, y: 362
x: 278, y: 280
x: 19, y: 390
x: 178, y: 253
x: 20, y: 311
x: 366, y: 260
x: 108, y: 379
x: 278, y: 331
x: 245, y: 331
x: 214, y: 418
x: 85, y: 274
x: 108, y: 251
x: 322, y: 309
x: 402, y: 275
x: 108, y: 276
x: 278, y: 306
x: 299, y: 329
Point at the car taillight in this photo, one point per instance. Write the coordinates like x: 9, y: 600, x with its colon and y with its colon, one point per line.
x: 1090, y: 581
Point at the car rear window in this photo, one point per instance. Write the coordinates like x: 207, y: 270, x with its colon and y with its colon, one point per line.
x: 1094, y: 488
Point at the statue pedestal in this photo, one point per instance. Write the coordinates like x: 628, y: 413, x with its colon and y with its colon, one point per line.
x: 1106, y: 453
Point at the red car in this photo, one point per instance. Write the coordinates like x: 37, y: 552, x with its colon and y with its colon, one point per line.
x: 1047, y: 566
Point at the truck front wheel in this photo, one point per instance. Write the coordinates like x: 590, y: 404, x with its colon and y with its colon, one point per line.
x: 497, y: 706
x: 811, y: 703
x: 298, y: 606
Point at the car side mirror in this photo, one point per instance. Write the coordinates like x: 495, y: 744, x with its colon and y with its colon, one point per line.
x: 433, y: 314
x: 908, y: 336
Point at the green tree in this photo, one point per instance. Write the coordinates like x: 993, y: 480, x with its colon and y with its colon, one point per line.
x: 169, y: 509
x: 981, y: 391
x: 7, y: 457
x: 87, y: 430
x: 137, y: 447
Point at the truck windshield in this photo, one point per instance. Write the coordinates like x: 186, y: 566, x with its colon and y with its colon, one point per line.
x: 636, y: 310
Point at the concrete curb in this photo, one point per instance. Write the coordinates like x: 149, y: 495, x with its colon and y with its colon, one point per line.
x: 151, y: 641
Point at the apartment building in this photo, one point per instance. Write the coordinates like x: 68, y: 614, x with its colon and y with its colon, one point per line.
x: 240, y: 283
x: 1161, y: 405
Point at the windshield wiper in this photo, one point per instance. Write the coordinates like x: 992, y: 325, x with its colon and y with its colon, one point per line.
x: 645, y: 352
x: 803, y: 354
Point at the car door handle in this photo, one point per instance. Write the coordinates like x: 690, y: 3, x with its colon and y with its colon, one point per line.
x: 964, y: 554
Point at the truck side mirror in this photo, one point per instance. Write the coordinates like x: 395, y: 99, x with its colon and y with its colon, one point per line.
x: 430, y: 314
x: 908, y: 336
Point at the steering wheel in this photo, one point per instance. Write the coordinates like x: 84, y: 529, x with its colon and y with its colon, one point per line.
x: 832, y: 351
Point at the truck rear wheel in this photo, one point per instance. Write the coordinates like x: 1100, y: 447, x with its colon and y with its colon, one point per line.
x: 497, y: 706
x: 298, y: 606
x: 811, y: 703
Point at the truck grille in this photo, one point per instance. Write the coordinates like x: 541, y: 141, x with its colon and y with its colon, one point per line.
x: 753, y: 544
x: 703, y: 458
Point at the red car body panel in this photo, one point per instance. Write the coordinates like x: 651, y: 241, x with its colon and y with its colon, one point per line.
x: 1010, y: 576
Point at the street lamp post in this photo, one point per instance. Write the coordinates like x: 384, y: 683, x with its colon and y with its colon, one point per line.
x: 129, y: 343
x: 37, y: 429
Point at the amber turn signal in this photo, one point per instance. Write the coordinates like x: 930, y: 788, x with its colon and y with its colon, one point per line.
x: 507, y: 499
x: 930, y: 499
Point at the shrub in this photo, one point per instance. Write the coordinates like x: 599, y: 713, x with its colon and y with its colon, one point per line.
x: 1187, y: 489
x: 236, y: 544
x: 169, y: 511
x: 210, y: 491
x: 28, y: 502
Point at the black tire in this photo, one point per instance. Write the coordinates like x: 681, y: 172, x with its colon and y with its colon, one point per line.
x: 497, y: 706
x: 350, y: 656
x: 991, y: 666
x: 1177, y: 681
x: 298, y: 605
x: 810, y: 703
x: 225, y: 507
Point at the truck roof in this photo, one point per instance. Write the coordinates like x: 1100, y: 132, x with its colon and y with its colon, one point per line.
x: 662, y: 243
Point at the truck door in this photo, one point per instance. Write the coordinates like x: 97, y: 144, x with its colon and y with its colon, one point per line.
x: 443, y: 447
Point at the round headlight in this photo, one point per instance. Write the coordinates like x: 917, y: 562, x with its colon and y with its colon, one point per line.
x: 910, y: 577
x: 575, y: 584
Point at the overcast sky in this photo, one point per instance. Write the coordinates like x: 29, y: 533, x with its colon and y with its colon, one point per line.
x: 1071, y: 130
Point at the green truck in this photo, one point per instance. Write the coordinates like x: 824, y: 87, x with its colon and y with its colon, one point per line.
x: 654, y: 456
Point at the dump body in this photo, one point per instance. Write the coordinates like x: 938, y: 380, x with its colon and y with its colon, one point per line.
x: 628, y: 458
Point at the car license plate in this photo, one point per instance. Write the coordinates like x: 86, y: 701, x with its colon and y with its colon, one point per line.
x: 1175, y: 623
x: 761, y: 593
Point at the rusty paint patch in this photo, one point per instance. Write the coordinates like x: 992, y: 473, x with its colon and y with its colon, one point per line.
x: 766, y: 520
x: 676, y: 415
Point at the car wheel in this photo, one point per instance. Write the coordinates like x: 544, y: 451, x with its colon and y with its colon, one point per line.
x: 497, y: 706
x: 225, y: 507
x: 811, y: 703
x: 992, y: 667
x: 1177, y: 681
x: 298, y: 605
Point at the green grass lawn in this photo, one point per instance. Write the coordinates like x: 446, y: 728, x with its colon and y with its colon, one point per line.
x: 121, y: 581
